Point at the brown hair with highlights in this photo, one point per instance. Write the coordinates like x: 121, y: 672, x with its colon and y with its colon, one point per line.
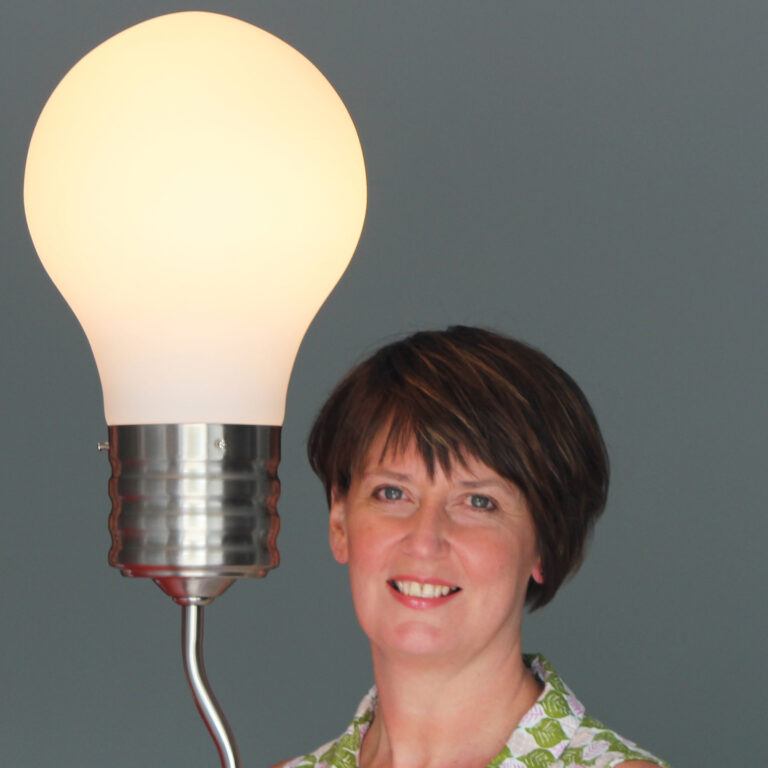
x: 471, y: 392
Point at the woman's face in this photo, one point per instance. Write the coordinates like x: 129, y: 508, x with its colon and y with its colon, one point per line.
x: 438, y: 565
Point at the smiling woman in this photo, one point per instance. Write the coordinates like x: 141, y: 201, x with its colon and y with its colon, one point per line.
x: 464, y: 471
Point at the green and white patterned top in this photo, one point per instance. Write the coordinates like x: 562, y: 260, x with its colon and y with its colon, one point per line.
x: 554, y: 733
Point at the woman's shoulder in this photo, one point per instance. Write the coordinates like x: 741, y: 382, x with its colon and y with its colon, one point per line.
x: 591, y: 740
x: 558, y: 722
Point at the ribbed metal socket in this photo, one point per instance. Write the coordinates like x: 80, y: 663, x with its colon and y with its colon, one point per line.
x: 194, y: 506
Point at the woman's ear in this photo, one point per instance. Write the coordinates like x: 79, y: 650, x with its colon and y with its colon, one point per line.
x: 337, y: 527
x: 537, y: 574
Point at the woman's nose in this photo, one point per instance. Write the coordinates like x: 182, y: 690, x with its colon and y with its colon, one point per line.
x: 425, y: 537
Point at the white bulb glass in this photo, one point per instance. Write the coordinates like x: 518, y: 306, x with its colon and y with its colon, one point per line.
x: 195, y: 188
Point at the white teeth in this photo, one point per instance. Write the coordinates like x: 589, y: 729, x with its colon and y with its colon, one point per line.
x: 417, y: 589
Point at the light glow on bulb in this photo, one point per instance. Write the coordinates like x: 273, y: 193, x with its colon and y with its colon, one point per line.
x: 195, y: 188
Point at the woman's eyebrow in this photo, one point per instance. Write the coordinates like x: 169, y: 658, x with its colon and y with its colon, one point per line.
x: 484, y: 482
x: 388, y: 474
x: 491, y: 482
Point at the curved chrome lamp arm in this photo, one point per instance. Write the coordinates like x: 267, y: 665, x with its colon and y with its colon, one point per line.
x: 209, y: 708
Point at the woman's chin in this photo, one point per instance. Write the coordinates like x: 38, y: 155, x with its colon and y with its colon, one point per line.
x: 418, y: 638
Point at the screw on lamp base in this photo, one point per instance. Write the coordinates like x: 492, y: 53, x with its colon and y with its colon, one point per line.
x: 194, y: 506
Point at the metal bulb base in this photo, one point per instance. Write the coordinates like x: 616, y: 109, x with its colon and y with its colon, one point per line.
x: 194, y: 506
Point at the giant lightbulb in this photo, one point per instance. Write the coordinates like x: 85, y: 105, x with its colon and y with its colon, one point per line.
x: 194, y: 187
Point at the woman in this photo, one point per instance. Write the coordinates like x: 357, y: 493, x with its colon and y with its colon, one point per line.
x: 464, y: 471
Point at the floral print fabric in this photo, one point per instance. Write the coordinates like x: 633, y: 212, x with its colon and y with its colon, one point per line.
x: 554, y: 733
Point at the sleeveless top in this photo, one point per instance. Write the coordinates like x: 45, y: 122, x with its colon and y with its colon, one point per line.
x: 554, y: 733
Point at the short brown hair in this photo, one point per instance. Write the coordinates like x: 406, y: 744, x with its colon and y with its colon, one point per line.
x: 470, y: 391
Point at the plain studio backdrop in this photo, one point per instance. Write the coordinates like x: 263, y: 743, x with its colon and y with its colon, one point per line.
x: 588, y: 176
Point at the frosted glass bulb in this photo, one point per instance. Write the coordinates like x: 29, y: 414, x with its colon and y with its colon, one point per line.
x: 195, y: 188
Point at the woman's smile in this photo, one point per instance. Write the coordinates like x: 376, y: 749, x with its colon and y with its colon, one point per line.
x: 421, y: 594
x: 418, y: 588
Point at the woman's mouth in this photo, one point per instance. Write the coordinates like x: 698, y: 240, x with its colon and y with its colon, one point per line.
x: 421, y: 589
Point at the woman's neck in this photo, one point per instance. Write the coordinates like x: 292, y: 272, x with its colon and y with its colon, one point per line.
x: 434, y: 714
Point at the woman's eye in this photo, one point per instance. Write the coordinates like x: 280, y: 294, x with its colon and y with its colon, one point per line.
x: 478, y: 501
x: 389, y: 493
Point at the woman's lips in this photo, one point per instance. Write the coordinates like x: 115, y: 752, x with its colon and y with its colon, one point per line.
x: 422, y: 593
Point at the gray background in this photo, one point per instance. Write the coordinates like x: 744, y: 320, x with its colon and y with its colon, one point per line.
x: 589, y: 176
